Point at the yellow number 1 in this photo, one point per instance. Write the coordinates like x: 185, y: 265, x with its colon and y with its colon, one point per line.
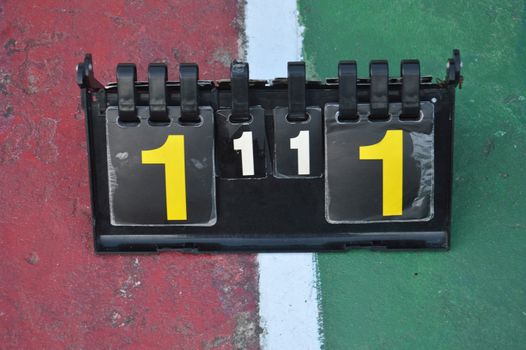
x: 390, y: 151
x: 171, y: 154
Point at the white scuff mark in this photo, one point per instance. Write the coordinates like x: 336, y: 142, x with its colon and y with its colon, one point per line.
x: 115, y: 317
x: 288, y: 293
x: 197, y: 163
x: 122, y: 155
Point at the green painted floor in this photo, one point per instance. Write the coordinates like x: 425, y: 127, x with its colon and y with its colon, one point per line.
x: 472, y: 297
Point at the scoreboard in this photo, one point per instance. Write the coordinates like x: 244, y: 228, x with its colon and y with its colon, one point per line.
x: 282, y: 165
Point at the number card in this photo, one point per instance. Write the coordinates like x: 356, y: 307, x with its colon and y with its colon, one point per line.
x: 298, y: 145
x: 161, y: 174
x: 380, y: 170
x: 241, y: 146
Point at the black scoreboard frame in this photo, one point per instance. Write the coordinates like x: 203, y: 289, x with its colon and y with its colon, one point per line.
x: 297, y: 222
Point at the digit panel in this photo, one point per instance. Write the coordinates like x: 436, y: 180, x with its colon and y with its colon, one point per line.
x: 298, y: 146
x: 363, y: 163
x: 138, y: 179
x: 241, y: 147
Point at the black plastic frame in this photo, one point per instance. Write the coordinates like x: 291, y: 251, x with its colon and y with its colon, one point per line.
x: 297, y: 223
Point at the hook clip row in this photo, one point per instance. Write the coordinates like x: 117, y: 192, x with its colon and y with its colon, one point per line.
x: 348, y: 82
x: 157, y: 92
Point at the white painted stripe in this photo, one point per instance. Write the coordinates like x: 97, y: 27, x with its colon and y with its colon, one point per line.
x: 288, y: 301
x: 288, y: 294
x: 274, y: 37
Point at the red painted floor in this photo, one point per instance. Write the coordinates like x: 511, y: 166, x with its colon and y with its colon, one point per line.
x: 54, y: 291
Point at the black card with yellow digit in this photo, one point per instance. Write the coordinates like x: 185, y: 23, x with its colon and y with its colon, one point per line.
x: 161, y: 174
x: 379, y: 170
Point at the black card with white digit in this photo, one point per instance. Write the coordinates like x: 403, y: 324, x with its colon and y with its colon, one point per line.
x: 381, y: 170
x: 241, y: 150
x: 298, y: 145
x: 161, y: 174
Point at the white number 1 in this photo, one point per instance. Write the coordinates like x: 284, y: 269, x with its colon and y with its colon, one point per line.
x: 244, y: 144
x: 301, y: 143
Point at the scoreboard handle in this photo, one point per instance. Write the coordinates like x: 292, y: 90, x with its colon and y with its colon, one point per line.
x: 296, y: 90
x: 239, y: 81
x: 347, y: 92
x: 189, y: 75
x: 127, y: 95
x: 157, y: 78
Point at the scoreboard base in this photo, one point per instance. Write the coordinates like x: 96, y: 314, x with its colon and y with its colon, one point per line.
x: 380, y: 241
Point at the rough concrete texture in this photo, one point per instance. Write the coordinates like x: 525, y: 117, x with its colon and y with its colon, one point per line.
x: 473, y: 296
x: 54, y: 291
